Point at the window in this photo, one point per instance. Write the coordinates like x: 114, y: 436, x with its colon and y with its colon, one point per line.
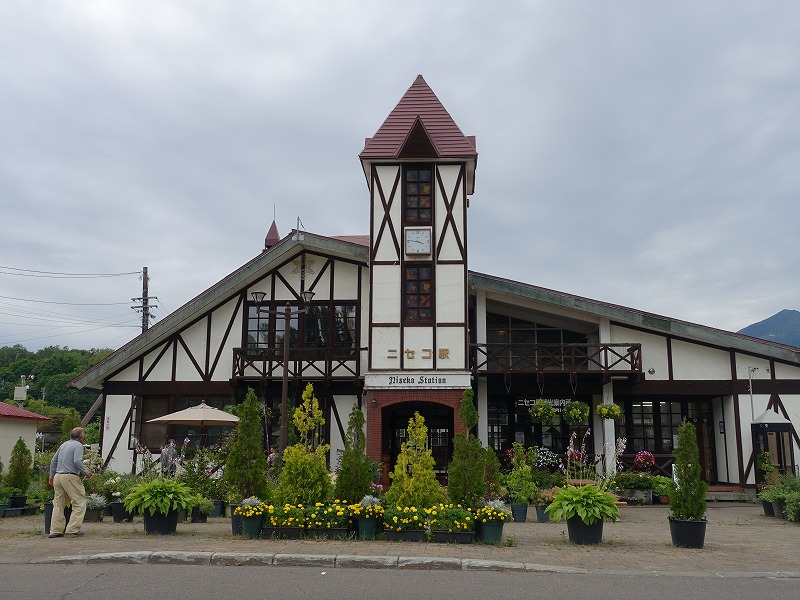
x: 417, y: 294
x: 498, y: 424
x: 642, y: 429
x: 418, y: 192
x: 671, y: 415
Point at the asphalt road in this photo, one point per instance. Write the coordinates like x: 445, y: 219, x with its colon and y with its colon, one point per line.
x: 177, y: 582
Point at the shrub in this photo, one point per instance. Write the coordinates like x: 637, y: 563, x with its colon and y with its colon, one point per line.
x: 629, y: 480
x: 688, y: 501
x: 159, y: 496
x: 450, y: 518
x: 520, y: 485
x: 491, y: 475
x: 19, y: 467
x: 304, y: 478
x: 413, y: 480
x: 465, y: 483
x: 662, y: 486
x: 354, y: 479
x: 246, y: 466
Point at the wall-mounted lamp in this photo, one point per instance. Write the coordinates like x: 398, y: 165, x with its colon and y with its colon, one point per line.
x: 374, y: 401
x: 307, y: 296
x: 258, y: 297
x: 651, y: 371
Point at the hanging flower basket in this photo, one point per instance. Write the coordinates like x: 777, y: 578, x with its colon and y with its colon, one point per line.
x: 609, y: 411
x: 542, y: 411
x: 576, y: 412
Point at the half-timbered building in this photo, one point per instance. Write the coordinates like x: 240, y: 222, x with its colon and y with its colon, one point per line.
x: 395, y: 322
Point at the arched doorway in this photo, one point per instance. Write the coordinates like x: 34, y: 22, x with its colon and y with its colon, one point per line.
x: 438, y: 420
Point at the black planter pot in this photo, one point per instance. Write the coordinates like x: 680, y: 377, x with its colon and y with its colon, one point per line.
x: 769, y: 511
x: 452, y: 537
x: 18, y: 501
x: 236, y: 521
x: 198, y: 516
x: 405, y: 536
x: 282, y: 533
x: 687, y: 534
x: 219, y: 508
x: 583, y: 534
x: 519, y: 512
x: 48, y: 516
x: 161, y: 524
x: 119, y: 514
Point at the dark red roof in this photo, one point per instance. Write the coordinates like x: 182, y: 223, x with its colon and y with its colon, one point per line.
x: 272, y: 236
x: 9, y: 411
x: 419, y: 112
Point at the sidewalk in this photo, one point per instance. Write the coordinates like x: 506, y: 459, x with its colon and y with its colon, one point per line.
x: 740, y: 540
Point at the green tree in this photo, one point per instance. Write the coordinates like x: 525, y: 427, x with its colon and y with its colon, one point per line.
x: 19, y: 467
x: 308, y: 416
x: 413, y: 480
x: 491, y: 475
x: 354, y: 480
x: 71, y: 420
x: 688, y: 500
x: 246, y: 465
x: 465, y: 481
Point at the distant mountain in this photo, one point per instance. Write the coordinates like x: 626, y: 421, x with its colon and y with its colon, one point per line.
x: 783, y: 328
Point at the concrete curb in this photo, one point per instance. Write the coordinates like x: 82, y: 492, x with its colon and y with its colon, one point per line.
x: 349, y: 561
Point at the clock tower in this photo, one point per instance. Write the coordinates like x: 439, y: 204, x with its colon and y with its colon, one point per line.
x: 420, y: 169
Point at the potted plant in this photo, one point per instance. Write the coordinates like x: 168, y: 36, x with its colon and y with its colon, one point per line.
x: 251, y: 512
x: 541, y: 501
x: 520, y: 488
x: 202, y: 508
x: 585, y: 508
x: 634, y: 485
x: 451, y: 523
x: 542, y: 411
x: 285, y: 521
x: 367, y: 513
x: 609, y: 411
x: 19, y: 473
x: 95, y: 505
x: 5, y: 503
x: 489, y: 520
x: 662, y: 486
x: 159, y: 501
x: 328, y: 520
x: 770, y: 477
x: 404, y: 524
x: 687, y: 502
x: 644, y: 461
x: 576, y: 412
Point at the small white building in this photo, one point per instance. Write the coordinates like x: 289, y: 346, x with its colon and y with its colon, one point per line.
x: 16, y: 423
x: 398, y: 323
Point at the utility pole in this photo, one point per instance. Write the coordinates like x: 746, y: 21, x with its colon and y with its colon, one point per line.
x: 145, y: 305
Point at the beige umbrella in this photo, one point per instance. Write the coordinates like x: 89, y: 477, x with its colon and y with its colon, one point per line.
x: 201, y: 415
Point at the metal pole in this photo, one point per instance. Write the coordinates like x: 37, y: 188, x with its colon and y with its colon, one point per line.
x: 750, y: 382
x: 284, y: 432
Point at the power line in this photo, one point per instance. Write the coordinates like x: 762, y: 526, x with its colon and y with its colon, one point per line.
x: 66, y: 303
x: 65, y: 274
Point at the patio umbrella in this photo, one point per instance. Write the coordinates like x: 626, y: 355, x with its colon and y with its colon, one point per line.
x: 201, y: 415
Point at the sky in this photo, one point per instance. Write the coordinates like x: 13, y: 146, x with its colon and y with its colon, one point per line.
x: 645, y: 154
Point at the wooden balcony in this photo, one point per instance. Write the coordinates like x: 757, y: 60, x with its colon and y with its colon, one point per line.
x: 307, y: 363
x: 606, y: 360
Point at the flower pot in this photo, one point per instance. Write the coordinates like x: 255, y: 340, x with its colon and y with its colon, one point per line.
x: 198, y: 516
x: 777, y: 510
x: 769, y: 511
x: 160, y: 524
x: 405, y: 536
x: 18, y: 501
x: 282, y: 533
x: 452, y: 537
x: 519, y: 512
x: 13, y: 512
x: 30, y: 510
x: 251, y: 526
x: 687, y: 534
x: 583, y: 534
x: 541, y: 513
x: 327, y: 533
x: 94, y: 515
x: 48, y: 515
x: 119, y: 514
x: 183, y: 514
x: 3, y: 508
x: 236, y: 520
x: 367, y: 526
x: 663, y: 499
x: 219, y: 508
x: 491, y: 532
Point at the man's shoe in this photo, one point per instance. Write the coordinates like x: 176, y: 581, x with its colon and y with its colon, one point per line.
x: 55, y: 535
x: 76, y: 534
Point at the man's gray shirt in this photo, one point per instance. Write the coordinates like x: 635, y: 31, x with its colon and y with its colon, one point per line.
x: 68, y: 459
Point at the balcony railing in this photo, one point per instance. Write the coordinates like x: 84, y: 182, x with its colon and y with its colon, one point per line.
x: 604, y: 359
x: 309, y: 363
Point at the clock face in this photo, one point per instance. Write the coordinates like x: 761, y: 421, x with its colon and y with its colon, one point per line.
x: 418, y: 240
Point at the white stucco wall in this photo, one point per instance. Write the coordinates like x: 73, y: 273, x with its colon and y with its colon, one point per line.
x: 654, y: 349
x: 115, y: 412
x: 693, y: 361
x: 10, y: 431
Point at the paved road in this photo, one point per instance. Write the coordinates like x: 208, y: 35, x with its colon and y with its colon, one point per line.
x: 739, y: 540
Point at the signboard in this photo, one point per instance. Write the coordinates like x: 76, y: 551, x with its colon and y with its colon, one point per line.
x: 557, y: 403
x: 421, y: 380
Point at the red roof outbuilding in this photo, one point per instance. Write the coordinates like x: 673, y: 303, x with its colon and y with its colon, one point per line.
x: 9, y: 411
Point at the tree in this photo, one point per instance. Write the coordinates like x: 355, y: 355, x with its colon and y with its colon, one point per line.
x: 465, y: 482
x: 304, y: 477
x: 354, y: 480
x: 688, y: 499
x: 70, y: 422
x: 413, y: 480
x: 19, y: 467
x: 246, y: 466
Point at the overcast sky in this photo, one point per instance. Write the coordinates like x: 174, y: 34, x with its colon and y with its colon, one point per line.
x: 641, y: 153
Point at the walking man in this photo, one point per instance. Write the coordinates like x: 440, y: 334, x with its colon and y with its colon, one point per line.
x: 65, y: 471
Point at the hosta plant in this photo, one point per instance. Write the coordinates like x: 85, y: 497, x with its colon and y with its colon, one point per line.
x: 588, y: 502
x: 159, y: 496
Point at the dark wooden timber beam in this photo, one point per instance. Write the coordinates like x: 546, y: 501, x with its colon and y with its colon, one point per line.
x: 707, y: 387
